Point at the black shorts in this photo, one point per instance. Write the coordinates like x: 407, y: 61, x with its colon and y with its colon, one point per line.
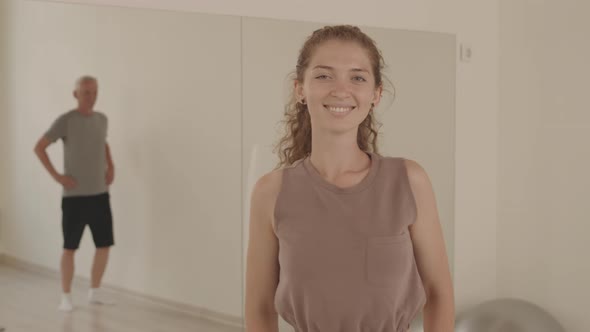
x: 94, y: 211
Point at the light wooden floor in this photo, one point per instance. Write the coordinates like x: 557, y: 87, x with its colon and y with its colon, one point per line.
x: 28, y: 303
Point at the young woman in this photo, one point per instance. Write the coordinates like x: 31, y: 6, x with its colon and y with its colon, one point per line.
x: 343, y: 239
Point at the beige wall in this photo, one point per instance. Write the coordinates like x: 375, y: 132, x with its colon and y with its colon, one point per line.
x: 544, y: 159
x: 4, y: 85
x: 475, y: 22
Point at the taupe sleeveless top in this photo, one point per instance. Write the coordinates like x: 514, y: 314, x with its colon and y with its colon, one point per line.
x: 346, y: 257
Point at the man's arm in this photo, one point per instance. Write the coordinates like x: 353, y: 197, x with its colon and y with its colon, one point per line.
x: 110, y: 176
x: 40, y: 151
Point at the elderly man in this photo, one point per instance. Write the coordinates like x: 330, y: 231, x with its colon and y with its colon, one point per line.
x: 88, y: 173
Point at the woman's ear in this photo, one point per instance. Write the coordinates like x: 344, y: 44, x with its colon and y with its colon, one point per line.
x: 298, y: 92
x: 377, y: 95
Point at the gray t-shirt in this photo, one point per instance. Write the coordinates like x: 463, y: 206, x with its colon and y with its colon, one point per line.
x: 84, y: 140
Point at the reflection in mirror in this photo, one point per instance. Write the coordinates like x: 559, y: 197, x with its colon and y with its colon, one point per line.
x: 168, y: 84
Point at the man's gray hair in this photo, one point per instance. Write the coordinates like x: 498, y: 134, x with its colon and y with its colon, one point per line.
x: 83, y: 79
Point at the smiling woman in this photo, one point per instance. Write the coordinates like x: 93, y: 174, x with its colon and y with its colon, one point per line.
x: 347, y: 84
x: 347, y: 63
x: 342, y: 238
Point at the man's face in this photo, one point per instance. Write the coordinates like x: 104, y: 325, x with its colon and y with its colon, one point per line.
x: 86, y: 94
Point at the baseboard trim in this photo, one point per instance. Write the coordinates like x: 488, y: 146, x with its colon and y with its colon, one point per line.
x: 194, y: 311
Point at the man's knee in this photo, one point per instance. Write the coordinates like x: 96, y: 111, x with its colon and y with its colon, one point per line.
x: 103, y: 250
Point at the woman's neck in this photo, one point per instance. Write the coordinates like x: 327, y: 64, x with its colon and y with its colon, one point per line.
x: 336, y: 155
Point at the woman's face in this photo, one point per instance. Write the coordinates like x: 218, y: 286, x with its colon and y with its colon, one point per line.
x: 338, y: 87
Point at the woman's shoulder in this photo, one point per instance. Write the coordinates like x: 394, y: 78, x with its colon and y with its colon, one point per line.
x: 416, y: 174
x: 269, y: 182
x: 414, y: 170
x: 269, y: 185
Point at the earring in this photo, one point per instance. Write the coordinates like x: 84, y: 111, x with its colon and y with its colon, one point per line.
x: 302, y: 101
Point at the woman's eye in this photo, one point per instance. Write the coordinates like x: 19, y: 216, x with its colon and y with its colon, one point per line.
x: 322, y: 77
x: 359, y: 79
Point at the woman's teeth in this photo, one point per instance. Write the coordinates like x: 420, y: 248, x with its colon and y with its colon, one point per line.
x: 339, y: 109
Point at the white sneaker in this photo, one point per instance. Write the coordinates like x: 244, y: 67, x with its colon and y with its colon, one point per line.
x: 66, y: 303
x: 98, y: 296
